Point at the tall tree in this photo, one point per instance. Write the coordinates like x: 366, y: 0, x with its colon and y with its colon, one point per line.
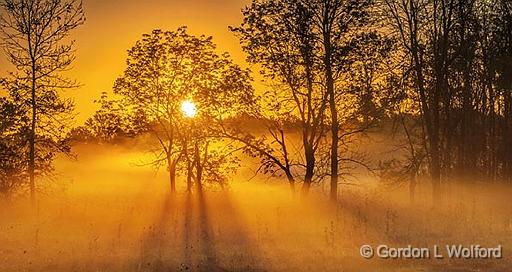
x: 303, y: 46
x: 412, y: 23
x: 277, y: 35
x: 338, y: 22
x: 458, y: 54
x: 35, y: 38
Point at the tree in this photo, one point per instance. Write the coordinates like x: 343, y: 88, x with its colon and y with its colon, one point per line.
x: 457, y: 54
x: 304, y: 46
x: 338, y: 22
x: 276, y: 35
x: 370, y: 74
x: 34, y: 34
x: 496, y: 43
x: 112, y: 121
x: 410, y: 20
x: 165, y: 69
x: 273, y: 151
x: 13, y: 125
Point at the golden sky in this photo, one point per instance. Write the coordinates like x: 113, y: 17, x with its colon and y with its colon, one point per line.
x: 113, y: 26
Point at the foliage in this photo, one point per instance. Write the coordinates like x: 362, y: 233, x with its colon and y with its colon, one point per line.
x: 456, y: 73
x: 318, y: 56
x: 112, y: 121
x: 164, y: 69
x: 12, y: 151
x: 35, y: 38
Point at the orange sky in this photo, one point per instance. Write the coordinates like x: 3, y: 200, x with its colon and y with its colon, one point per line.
x: 113, y: 26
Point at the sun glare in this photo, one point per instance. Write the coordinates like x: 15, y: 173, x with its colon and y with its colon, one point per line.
x: 188, y: 108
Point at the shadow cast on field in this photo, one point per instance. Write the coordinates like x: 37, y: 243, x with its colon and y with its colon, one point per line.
x: 198, y: 248
x: 209, y: 235
x: 227, y: 249
x: 249, y: 251
x: 159, y: 237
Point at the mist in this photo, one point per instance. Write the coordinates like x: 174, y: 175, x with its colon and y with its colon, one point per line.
x: 111, y: 214
x: 335, y: 135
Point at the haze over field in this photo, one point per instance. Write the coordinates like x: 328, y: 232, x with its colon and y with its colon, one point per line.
x: 255, y: 135
x: 114, y: 216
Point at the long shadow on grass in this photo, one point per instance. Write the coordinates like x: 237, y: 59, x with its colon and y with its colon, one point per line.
x: 187, y: 234
x: 230, y: 249
x: 246, y: 250
x: 199, y: 248
x: 206, y: 237
x: 157, y: 239
x: 199, y: 252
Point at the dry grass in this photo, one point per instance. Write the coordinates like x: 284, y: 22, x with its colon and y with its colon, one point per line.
x: 117, y: 217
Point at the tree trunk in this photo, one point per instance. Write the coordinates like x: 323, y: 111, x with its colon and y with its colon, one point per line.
x: 305, y: 188
x: 334, y: 131
x: 332, y: 104
x: 334, y: 150
x: 310, y: 170
x: 291, y: 181
x: 435, y: 172
x: 189, y: 176
x: 189, y: 166
x: 32, y: 138
x: 199, y: 168
x: 412, y: 187
x: 172, y: 173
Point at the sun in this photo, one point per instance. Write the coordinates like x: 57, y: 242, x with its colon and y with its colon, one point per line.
x: 188, y: 108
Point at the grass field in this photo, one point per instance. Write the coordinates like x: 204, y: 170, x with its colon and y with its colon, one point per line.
x: 105, y: 214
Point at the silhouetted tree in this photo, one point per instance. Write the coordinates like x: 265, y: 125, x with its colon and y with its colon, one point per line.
x: 13, y: 166
x: 166, y: 68
x: 112, y: 121
x: 457, y: 54
x: 34, y: 36
x: 304, y: 46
